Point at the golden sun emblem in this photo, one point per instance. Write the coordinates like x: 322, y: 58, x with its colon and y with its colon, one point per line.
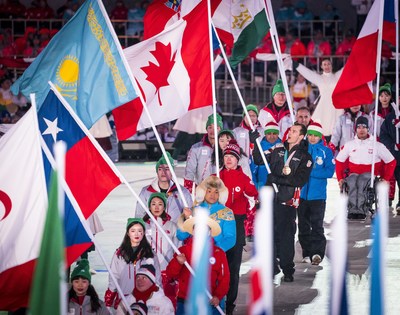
x: 67, y: 76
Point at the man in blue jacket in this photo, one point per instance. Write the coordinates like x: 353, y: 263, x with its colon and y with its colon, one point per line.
x: 311, y: 210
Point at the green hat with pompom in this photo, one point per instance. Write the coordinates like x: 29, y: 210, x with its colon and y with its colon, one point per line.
x: 82, y: 270
x: 251, y: 107
x: 386, y: 88
x: 210, y: 121
x: 160, y: 195
x: 278, y: 87
x: 162, y: 160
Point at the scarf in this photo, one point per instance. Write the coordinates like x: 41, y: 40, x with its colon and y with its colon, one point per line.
x: 145, y: 295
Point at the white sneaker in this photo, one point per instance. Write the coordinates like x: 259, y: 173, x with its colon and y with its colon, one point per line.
x: 316, y: 260
x: 306, y: 260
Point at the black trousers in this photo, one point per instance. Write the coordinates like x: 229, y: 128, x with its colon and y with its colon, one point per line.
x: 311, y: 227
x: 234, y: 257
x: 284, y: 231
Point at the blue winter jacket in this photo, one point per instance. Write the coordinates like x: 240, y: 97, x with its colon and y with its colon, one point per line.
x: 225, y: 218
x: 323, y: 168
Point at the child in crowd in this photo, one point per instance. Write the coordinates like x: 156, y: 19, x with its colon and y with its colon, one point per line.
x: 82, y: 297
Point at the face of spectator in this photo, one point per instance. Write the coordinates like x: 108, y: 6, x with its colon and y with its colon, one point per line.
x: 355, y: 109
x: 223, y: 141
x: 135, y: 234
x: 164, y: 173
x: 362, y: 132
x: 271, y: 137
x: 384, y: 98
x: 253, y: 118
x: 6, y: 85
x: 230, y: 162
x: 80, y: 286
x: 300, y: 78
x: 279, y: 99
x: 157, y: 206
x: 143, y: 283
x: 303, y: 117
x: 326, y: 66
x: 294, y: 136
x: 212, y: 195
x: 313, y: 139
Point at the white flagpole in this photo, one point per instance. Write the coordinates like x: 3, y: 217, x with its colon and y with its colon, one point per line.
x: 118, y: 173
x: 216, y: 144
x: 275, y: 42
x: 139, y: 93
x: 378, y: 73
x: 228, y: 66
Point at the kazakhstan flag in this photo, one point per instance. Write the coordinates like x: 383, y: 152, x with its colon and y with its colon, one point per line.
x: 84, y: 62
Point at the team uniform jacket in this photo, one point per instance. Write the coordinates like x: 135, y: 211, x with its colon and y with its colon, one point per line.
x: 300, y: 165
x: 157, y: 304
x: 174, y: 203
x: 85, y: 308
x: 125, y: 273
x: 158, y: 242
x: 281, y: 117
x: 238, y: 184
x: 357, y: 156
x: 225, y: 218
x: 388, y: 135
x: 323, y: 168
x: 198, y: 163
x: 380, y: 119
x: 219, y: 271
x: 345, y: 129
x: 241, y: 134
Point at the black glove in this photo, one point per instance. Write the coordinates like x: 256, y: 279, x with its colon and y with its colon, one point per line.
x: 253, y: 135
x: 257, y: 158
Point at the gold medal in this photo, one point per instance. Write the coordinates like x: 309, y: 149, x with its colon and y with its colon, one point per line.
x: 286, y: 170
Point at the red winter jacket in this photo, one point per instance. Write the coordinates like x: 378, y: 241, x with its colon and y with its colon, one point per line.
x: 219, y: 271
x: 238, y: 184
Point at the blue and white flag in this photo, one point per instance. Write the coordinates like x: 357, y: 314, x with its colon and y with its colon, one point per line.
x: 84, y: 61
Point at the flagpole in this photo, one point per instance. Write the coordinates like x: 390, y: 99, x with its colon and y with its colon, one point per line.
x: 228, y: 66
x: 275, y: 42
x: 378, y: 73
x: 216, y: 143
x: 118, y: 174
x: 139, y: 93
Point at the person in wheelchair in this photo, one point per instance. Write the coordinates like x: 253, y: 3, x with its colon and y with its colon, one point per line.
x: 356, y: 159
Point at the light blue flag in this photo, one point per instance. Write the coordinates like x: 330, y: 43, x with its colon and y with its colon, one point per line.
x: 198, y: 301
x: 84, y: 62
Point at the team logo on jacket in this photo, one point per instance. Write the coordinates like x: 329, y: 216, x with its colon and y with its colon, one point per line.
x: 212, y: 260
x: 319, y: 160
x: 237, y: 189
x: 309, y: 163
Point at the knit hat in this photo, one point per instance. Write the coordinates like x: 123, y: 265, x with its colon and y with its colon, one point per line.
x: 163, y: 161
x: 386, y: 88
x: 362, y: 121
x: 210, y: 121
x: 271, y: 126
x: 278, y: 87
x: 135, y: 220
x: 315, y: 128
x: 82, y: 270
x: 233, y: 148
x: 251, y: 107
x: 158, y: 195
x: 226, y: 132
x: 139, y: 307
x: 149, y: 271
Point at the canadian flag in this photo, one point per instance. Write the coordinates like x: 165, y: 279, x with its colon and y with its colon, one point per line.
x: 173, y: 72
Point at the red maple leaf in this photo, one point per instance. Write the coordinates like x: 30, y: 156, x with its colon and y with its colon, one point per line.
x: 158, y: 74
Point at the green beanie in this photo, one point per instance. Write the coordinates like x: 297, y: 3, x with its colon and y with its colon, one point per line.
x: 315, y: 133
x: 278, y: 87
x: 226, y: 132
x: 160, y: 195
x: 386, y: 88
x: 163, y: 161
x: 135, y: 220
x: 251, y: 107
x: 210, y: 121
x: 82, y: 270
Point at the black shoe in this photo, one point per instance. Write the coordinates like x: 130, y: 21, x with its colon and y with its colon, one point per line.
x: 361, y: 216
x: 351, y: 216
x: 288, y: 278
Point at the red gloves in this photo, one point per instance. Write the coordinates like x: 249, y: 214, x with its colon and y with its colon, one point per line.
x: 188, y: 184
x: 109, y: 297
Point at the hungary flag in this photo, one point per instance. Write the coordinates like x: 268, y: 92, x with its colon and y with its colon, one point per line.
x: 241, y: 25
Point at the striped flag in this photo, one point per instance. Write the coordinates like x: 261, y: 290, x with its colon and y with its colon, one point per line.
x: 338, y: 255
x: 261, y: 295
x: 379, y: 235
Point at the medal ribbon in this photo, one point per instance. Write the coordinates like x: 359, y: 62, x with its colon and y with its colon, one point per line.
x: 287, y: 159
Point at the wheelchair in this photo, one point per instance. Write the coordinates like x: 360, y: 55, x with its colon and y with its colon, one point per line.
x: 370, y: 197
